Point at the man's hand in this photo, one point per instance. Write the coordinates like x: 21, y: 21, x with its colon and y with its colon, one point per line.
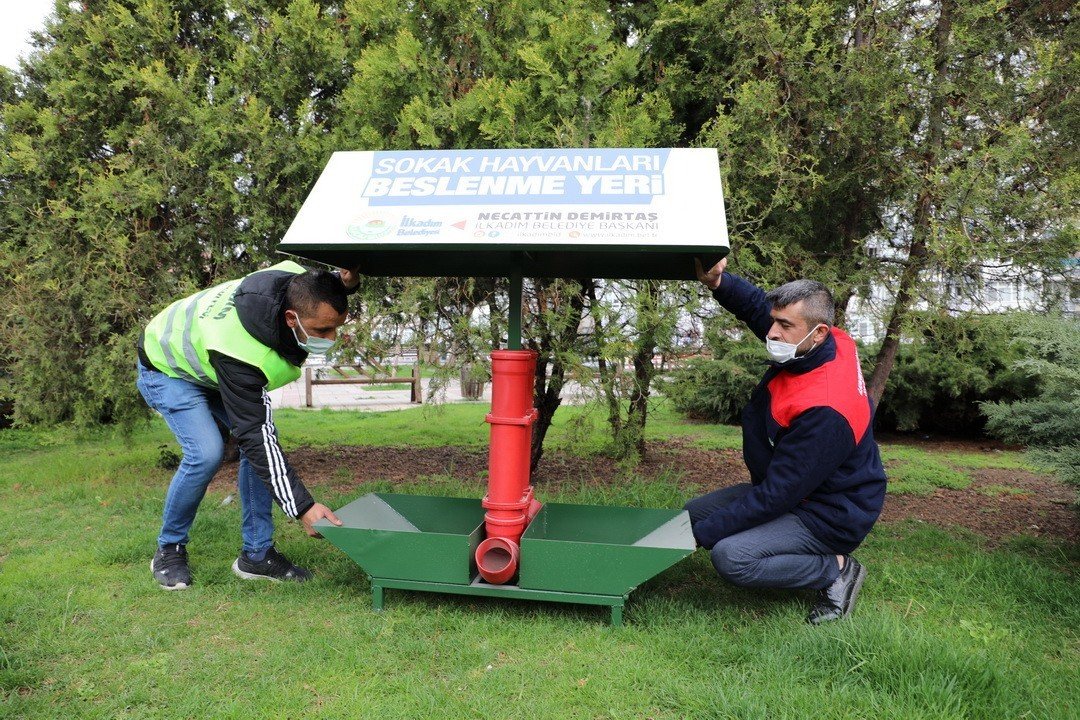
x: 317, y: 512
x: 711, y: 278
x: 350, y: 277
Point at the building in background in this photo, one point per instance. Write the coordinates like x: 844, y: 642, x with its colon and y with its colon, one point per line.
x: 992, y: 289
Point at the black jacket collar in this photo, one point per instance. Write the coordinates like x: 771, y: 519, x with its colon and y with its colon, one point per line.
x: 260, y: 305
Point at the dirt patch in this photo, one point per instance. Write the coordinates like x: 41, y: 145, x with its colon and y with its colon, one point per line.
x: 998, y: 504
x: 344, y: 467
x: 938, y: 443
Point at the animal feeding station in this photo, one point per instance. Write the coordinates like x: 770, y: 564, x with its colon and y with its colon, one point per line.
x: 609, y: 213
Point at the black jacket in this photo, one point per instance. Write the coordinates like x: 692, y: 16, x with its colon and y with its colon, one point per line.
x: 260, y: 306
x: 807, y: 439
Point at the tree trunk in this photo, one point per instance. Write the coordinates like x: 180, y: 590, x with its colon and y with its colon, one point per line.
x: 886, y: 357
x: 643, y: 373
x: 607, y: 375
x: 494, y: 311
x: 639, y: 397
x: 924, y: 208
x: 548, y: 393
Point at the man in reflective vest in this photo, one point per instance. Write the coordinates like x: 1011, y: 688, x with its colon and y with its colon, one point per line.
x: 817, y: 482
x: 210, y: 359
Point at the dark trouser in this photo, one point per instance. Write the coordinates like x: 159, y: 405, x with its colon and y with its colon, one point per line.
x: 781, y: 553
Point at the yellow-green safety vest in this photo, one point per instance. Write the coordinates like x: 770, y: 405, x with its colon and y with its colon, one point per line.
x: 178, y: 341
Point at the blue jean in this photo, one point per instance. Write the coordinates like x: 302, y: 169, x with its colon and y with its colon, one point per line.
x: 781, y: 553
x: 190, y: 411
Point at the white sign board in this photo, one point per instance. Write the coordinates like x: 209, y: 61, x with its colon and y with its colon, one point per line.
x: 568, y: 200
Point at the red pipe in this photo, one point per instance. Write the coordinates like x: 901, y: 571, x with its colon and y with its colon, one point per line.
x: 509, y: 501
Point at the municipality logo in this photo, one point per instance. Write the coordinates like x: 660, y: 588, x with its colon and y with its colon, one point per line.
x: 368, y: 228
x: 410, y: 222
x: 414, y: 227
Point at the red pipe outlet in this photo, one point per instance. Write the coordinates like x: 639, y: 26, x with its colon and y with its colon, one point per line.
x: 509, y: 501
x: 497, y: 560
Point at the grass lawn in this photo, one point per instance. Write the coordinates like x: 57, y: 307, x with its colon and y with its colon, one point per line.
x: 945, y: 628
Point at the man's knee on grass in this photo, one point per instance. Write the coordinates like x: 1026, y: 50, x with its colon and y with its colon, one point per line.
x: 734, y: 561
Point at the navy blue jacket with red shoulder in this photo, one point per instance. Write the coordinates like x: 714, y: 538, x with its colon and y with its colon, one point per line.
x: 807, y: 439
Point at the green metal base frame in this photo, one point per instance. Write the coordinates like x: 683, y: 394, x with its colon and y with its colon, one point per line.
x: 582, y: 554
x: 478, y: 587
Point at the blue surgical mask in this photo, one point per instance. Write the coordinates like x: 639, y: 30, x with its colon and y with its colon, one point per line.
x: 314, y: 345
x: 781, y: 352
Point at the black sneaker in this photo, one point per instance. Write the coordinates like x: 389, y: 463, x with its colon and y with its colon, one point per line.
x: 274, y: 566
x: 170, y: 567
x: 838, y: 600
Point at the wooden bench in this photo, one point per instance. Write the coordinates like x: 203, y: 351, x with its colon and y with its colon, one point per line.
x: 365, y: 376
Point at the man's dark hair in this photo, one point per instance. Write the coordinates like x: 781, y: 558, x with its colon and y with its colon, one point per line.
x: 312, y: 287
x: 818, y: 305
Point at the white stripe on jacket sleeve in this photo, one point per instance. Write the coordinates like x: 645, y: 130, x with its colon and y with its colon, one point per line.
x: 279, y: 479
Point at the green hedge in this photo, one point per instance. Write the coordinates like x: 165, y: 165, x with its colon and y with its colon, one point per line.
x: 948, y: 368
x: 716, y: 389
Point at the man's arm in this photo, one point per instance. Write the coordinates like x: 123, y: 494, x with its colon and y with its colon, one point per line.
x: 243, y: 392
x: 811, y: 450
x: 740, y: 297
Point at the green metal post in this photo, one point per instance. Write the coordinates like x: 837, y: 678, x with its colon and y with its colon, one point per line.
x: 513, y: 340
x: 376, y: 597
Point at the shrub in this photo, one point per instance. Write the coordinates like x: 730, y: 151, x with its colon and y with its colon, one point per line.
x: 1049, y: 420
x: 716, y: 389
x: 952, y: 366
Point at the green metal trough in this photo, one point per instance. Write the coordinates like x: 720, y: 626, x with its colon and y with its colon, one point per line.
x: 584, y: 554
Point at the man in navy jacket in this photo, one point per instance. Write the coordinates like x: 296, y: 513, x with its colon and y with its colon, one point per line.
x: 817, y: 483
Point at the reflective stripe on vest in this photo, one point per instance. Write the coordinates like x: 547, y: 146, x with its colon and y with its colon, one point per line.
x: 201, y: 376
x: 189, y: 350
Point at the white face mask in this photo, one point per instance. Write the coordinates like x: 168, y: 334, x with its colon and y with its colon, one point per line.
x: 314, y: 345
x: 781, y: 352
